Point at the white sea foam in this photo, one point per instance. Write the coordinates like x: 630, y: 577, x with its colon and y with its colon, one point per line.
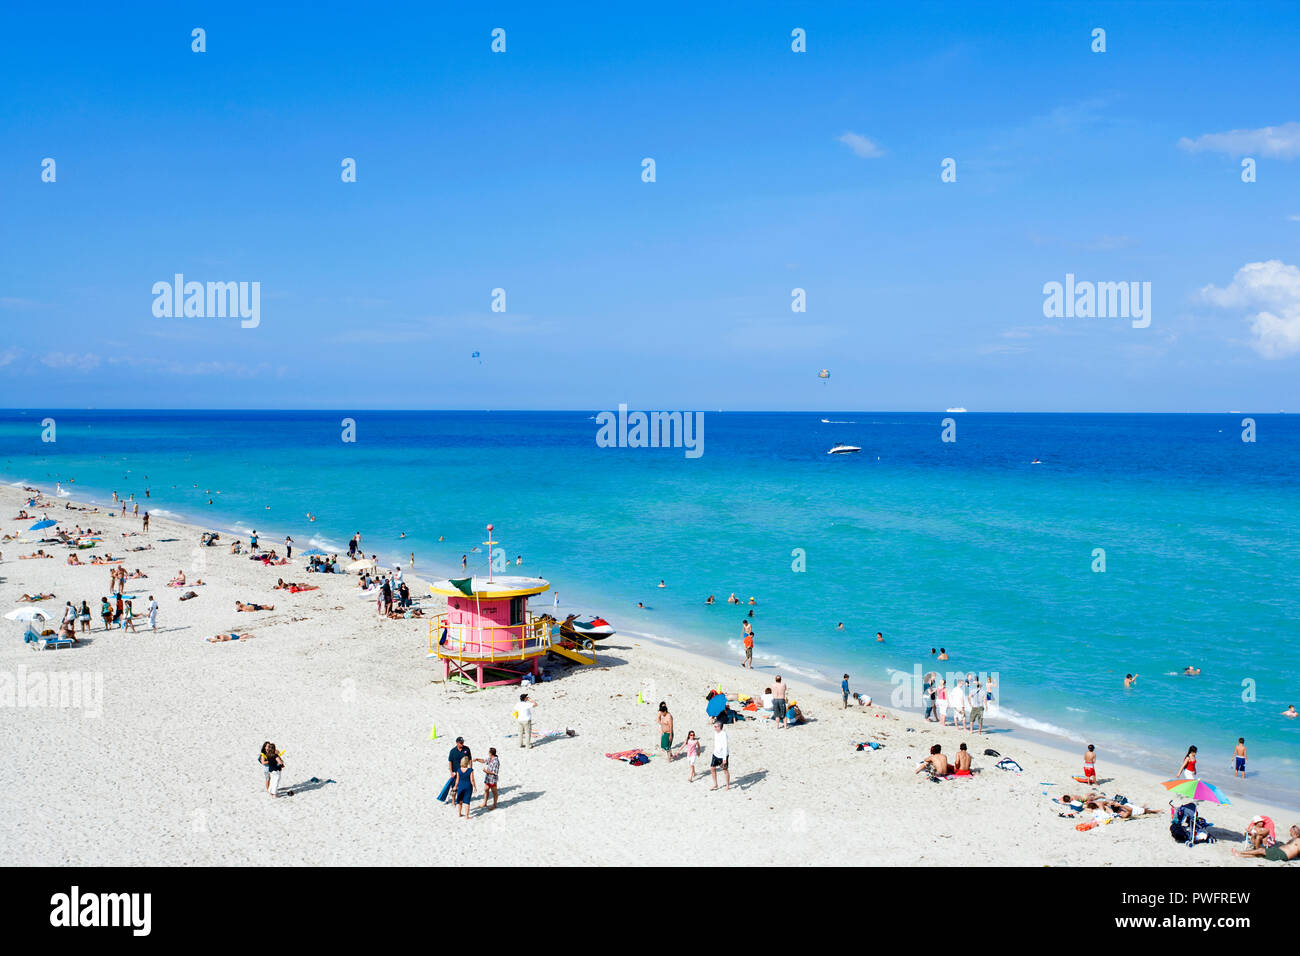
x: 1040, y: 726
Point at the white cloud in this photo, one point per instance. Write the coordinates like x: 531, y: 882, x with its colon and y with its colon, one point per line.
x: 9, y: 356
x: 861, y: 146
x: 1279, y: 142
x: 1271, y: 288
x: 83, y: 363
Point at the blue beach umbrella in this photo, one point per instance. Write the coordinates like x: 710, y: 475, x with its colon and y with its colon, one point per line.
x: 46, y: 523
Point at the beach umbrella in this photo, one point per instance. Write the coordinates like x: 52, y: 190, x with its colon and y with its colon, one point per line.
x: 1195, y: 790
x: 361, y: 565
x: 27, y: 614
x: 44, y: 523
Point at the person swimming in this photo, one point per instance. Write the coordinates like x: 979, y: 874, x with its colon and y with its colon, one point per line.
x: 1191, y: 671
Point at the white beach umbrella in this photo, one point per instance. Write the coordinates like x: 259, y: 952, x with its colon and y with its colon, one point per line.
x: 27, y: 614
x: 361, y: 565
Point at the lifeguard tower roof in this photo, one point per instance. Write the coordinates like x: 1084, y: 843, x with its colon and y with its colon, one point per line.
x: 503, y: 586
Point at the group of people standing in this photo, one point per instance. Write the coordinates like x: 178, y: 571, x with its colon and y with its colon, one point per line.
x: 966, y: 699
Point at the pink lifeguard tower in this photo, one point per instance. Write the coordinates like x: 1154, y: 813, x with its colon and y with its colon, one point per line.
x: 487, y: 636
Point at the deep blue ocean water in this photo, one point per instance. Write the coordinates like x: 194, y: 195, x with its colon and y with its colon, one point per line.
x: 965, y: 545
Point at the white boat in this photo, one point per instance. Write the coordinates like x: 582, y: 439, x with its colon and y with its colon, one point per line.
x: 957, y: 409
x: 844, y: 450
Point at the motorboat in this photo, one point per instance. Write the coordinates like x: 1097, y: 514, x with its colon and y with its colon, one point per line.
x: 844, y: 450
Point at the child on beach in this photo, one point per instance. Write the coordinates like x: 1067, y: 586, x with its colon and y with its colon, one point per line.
x: 692, y: 746
x: 844, y: 689
x: 1090, y: 764
x: 1240, y: 755
x: 1188, y: 769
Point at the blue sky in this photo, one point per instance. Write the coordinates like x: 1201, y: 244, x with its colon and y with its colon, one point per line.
x: 522, y: 171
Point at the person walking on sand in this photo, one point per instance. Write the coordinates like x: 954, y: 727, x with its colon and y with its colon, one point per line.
x: 153, y: 613
x: 272, y: 763
x: 943, y: 702
x: 106, y: 612
x: 747, y: 632
x: 1188, y: 769
x: 844, y: 689
x: 692, y: 748
x: 1240, y: 754
x: 464, y: 786
x: 145, y: 523
x: 1090, y: 765
x: 957, y: 701
x: 779, y: 688
x: 721, y: 755
x: 665, y: 721
x: 524, y: 715
x: 491, y: 770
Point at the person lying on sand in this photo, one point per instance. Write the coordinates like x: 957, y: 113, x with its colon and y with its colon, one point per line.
x: 137, y: 573
x: 221, y: 638
x: 36, y: 597
x: 188, y: 595
x: 936, y: 764
x: 1280, y: 853
x: 38, y: 553
x: 241, y: 606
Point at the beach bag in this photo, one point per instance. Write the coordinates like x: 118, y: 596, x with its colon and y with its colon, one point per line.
x: 1179, y: 833
x: 638, y: 760
x: 991, y: 753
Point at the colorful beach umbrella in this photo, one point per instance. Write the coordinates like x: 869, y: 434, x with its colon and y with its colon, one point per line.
x: 1196, y: 789
x: 44, y: 523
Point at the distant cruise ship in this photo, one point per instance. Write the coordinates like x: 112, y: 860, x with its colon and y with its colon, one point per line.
x: 956, y: 409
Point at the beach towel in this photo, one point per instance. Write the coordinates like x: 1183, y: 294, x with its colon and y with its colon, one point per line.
x: 1006, y: 763
x: 863, y: 745
x: 628, y: 756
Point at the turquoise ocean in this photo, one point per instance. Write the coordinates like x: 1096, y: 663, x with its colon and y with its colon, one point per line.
x: 965, y: 545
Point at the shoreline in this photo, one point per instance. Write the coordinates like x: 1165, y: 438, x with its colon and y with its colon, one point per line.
x: 692, y: 643
x: 166, y: 774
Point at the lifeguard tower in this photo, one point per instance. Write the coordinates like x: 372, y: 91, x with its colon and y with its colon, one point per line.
x: 487, y: 636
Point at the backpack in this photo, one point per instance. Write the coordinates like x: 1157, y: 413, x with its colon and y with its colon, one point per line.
x: 1179, y: 833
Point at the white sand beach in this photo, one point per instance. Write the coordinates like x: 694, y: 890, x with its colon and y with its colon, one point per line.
x: 164, y: 770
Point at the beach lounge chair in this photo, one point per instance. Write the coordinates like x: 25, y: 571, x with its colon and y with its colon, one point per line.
x: 40, y: 642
